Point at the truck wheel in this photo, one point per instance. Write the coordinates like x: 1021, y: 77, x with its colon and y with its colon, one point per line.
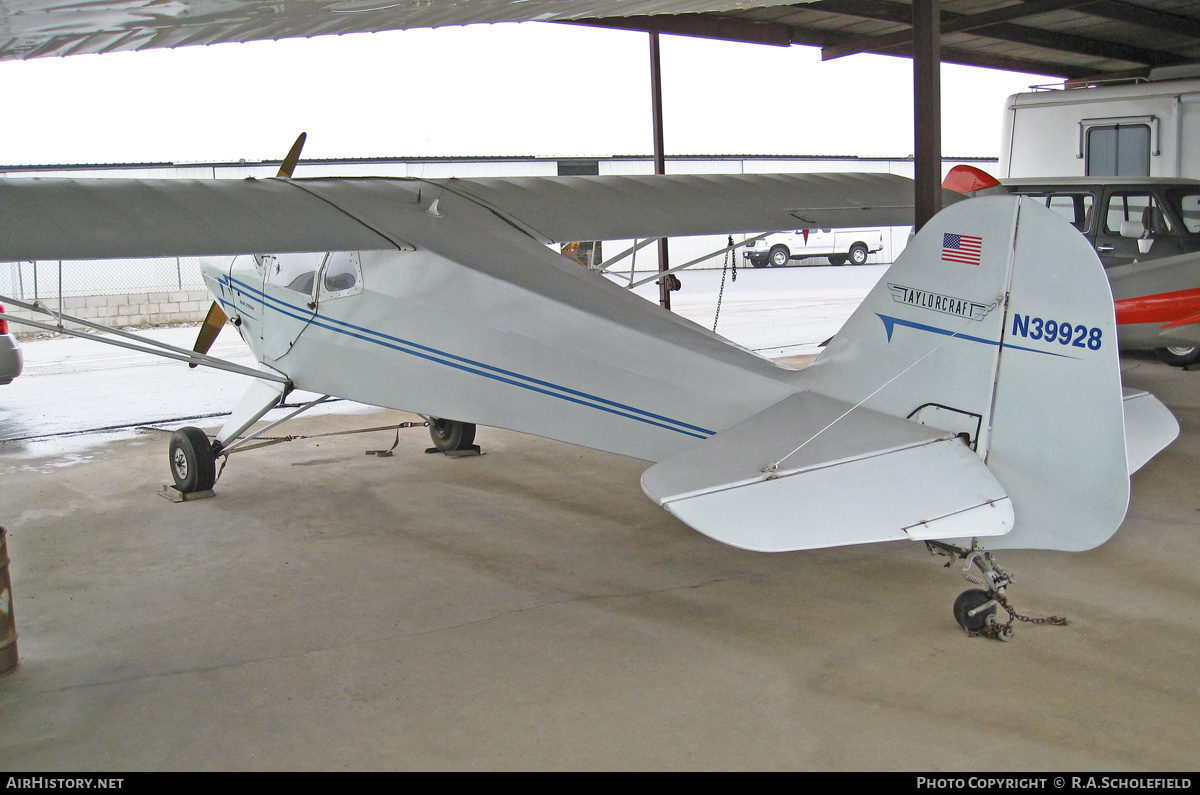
x: 858, y: 254
x: 1178, y: 355
x: 779, y: 256
x: 837, y: 259
x: 758, y: 262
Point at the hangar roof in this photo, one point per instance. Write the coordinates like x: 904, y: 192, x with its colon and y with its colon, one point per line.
x: 1074, y: 39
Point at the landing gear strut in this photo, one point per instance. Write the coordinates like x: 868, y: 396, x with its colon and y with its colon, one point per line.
x: 975, y: 608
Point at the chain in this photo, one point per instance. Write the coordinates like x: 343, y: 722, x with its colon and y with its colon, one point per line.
x: 1003, y: 631
x: 724, y: 270
x: 1057, y: 621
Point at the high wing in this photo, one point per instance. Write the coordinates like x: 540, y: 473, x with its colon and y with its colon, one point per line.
x: 110, y: 218
x: 34, y: 28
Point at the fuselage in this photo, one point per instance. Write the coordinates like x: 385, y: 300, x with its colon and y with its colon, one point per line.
x: 478, y: 322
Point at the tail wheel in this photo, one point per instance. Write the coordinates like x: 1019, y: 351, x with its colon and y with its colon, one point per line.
x: 967, y: 610
x: 858, y: 254
x: 193, y: 464
x: 451, y: 435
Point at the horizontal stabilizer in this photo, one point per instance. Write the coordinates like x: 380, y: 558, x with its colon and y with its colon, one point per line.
x: 859, y: 476
x: 1149, y: 427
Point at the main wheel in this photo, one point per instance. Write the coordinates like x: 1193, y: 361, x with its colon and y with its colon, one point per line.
x: 451, y: 435
x: 966, y: 602
x: 779, y: 256
x: 858, y: 254
x: 193, y: 465
x: 1178, y: 355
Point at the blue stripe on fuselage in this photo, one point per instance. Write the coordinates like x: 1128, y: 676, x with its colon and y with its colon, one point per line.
x: 469, y: 365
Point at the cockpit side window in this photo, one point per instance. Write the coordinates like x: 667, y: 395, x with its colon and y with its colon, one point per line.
x: 295, y: 272
x: 342, y: 273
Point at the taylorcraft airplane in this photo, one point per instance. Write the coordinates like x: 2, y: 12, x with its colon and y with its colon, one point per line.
x: 974, y: 395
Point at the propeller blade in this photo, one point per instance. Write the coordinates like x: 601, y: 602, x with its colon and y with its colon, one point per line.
x: 209, y: 329
x: 289, y: 163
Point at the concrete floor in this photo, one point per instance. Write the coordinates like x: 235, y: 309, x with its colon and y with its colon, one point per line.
x: 531, y: 609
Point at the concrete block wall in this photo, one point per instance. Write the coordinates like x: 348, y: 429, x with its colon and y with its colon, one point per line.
x: 133, y: 309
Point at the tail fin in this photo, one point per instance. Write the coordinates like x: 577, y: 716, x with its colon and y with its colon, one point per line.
x: 975, y: 392
x: 997, y: 322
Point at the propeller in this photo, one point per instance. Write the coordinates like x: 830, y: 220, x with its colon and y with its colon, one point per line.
x: 216, y: 318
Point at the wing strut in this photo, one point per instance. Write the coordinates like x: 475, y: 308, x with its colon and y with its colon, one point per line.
x: 137, y: 343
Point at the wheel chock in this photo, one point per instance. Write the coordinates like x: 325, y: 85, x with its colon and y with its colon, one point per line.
x: 172, y: 493
x: 463, y: 453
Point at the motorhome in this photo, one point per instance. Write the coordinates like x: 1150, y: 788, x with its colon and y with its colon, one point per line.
x: 1144, y: 128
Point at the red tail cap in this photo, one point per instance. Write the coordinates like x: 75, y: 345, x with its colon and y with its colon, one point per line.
x: 968, y: 179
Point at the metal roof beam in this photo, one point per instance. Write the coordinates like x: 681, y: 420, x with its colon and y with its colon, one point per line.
x: 1006, y: 14
x: 1144, y: 17
x: 707, y: 26
x: 712, y: 26
x: 1007, y: 31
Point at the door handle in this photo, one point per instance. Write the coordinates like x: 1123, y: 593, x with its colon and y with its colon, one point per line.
x: 1104, y: 249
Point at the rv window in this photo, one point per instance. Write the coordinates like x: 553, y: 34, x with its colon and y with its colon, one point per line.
x: 1138, y: 207
x: 1118, y: 150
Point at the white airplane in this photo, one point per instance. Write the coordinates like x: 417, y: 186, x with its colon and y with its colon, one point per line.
x: 974, y: 395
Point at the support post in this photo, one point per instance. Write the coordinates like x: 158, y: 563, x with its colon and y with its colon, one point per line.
x: 927, y: 110
x: 660, y: 160
x: 8, y: 624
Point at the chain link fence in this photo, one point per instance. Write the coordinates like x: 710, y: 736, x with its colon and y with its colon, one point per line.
x: 46, y: 280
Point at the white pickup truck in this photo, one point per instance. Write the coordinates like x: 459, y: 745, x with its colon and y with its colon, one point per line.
x: 838, y: 245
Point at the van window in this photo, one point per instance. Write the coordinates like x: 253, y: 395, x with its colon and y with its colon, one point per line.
x: 1076, y: 208
x: 1140, y: 207
x: 1118, y: 150
x: 1188, y: 205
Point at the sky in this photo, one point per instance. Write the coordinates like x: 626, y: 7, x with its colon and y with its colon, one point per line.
x: 530, y: 89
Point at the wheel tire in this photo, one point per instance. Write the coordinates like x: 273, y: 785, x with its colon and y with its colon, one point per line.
x: 779, y: 256
x: 1178, y: 356
x: 858, y: 254
x: 193, y: 465
x: 837, y: 259
x: 967, y: 601
x: 451, y: 435
x: 758, y: 263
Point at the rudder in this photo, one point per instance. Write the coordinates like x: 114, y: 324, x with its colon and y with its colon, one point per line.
x: 997, y: 323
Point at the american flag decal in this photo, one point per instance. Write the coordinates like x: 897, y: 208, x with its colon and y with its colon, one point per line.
x: 961, y: 248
